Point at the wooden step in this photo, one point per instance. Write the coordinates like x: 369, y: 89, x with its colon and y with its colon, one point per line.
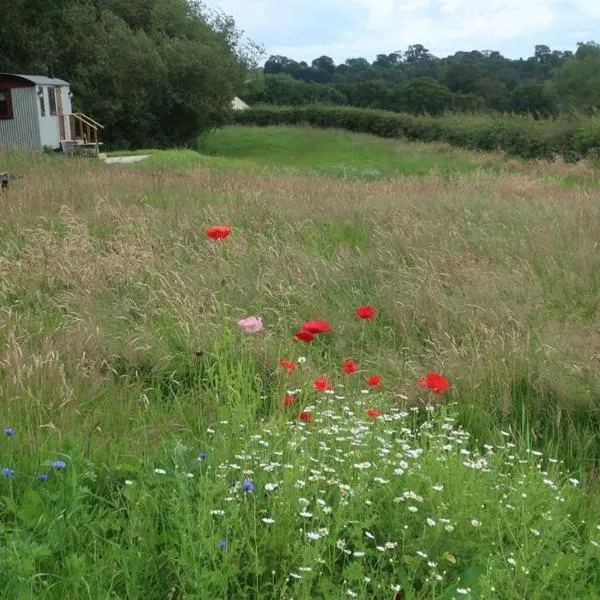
x: 80, y: 142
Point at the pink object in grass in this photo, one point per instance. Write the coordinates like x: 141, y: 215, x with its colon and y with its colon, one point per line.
x: 251, y: 324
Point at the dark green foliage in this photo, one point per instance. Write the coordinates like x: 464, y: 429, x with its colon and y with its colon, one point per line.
x: 577, y: 81
x: 424, y: 96
x: 570, y: 137
x: 287, y: 91
x: 534, y: 99
x: 153, y: 72
x: 415, y: 81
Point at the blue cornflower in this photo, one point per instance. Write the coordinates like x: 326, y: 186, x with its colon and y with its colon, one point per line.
x: 43, y: 476
x: 203, y: 456
x: 248, y: 486
x: 58, y: 464
x: 9, y: 432
x: 222, y: 544
x: 8, y: 472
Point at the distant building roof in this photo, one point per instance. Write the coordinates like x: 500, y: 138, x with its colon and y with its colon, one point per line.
x: 238, y: 104
x: 37, y: 79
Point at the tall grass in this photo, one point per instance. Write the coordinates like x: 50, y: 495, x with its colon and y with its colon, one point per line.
x: 120, y: 356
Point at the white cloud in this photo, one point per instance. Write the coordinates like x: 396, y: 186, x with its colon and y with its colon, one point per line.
x: 589, y: 8
x: 346, y: 28
x: 461, y: 22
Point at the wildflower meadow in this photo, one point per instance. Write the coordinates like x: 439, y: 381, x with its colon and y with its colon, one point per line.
x: 218, y: 385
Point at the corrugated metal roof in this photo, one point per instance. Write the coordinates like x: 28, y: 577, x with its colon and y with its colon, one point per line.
x: 38, y: 79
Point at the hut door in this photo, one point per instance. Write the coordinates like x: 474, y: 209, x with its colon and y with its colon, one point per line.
x: 59, y: 113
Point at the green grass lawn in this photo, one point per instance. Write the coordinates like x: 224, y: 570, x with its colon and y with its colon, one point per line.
x: 152, y: 448
x: 337, y: 153
x: 350, y: 156
x: 305, y: 150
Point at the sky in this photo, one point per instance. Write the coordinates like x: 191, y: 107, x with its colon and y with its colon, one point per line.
x: 307, y: 29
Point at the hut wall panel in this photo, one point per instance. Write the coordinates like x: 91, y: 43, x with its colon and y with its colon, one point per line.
x: 22, y: 131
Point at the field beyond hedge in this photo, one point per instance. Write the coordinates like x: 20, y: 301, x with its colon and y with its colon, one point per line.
x: 152, y: 448
x: 570, y: 137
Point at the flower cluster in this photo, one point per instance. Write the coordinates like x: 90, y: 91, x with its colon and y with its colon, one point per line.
x: 412, y: 474
x: 310, y: 329
x: 435, y: 382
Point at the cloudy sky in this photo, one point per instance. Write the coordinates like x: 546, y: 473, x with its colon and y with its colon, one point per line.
x: 306, y: 29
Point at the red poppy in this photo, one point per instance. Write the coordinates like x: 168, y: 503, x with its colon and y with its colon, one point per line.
x: 289, y: 400
x: 304, y: 336
x: 365, y: 312
x: 288, y: 365
x: 218, y: 232
x: 322, y: 385
x: 349, y: 366
x: 317, y: 326
x: 373, y: 413
x: 435, y: 382
x: 374, y: 381
x: 305, y: 416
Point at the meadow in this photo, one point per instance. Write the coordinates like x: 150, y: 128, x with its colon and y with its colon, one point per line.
x: 153, y: 447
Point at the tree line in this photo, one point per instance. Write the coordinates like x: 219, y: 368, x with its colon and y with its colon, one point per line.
x: 162, y: 72
x: 154, y: 72
x: 414, y: 81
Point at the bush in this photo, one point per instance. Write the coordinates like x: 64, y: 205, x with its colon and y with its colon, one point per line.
x: 571, y: 137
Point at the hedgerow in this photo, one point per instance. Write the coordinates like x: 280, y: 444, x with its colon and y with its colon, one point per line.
x: 571, y: 137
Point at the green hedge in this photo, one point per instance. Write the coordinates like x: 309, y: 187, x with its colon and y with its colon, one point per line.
x: 571, y: 137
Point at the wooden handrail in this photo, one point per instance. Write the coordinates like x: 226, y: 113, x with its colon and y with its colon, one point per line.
x: 84, y: 128
x: 87, y: 119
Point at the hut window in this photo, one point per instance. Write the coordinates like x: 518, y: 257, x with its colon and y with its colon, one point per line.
x: 52, y: 100
x: 40, y: 93
x: 6, y: 111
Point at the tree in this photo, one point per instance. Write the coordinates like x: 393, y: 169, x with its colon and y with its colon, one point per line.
x: 324, y: 63
x: 354, y: 70
x: 587, y: 50
x: 577, y: 80
x: 276, y: 64
x: 469, y: 103
x: 416, y: 53
x: 462, y: 76
x: 152, y: 71
x: 542, y: 53
x: 423, y: 96
x: 370, y: 94
x: 534, y: 99
x: 509, y: 77
x: 284, y: 90
x: 357, y: 63
x: 387, y: 60
x: 542, y: 84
